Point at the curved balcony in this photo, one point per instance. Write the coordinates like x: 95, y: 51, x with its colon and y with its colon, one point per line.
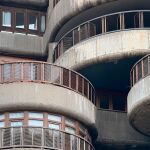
x: 98, y: 27
x: 46, y: 73
x: 139, y: 96
x: 45, y: 138
x: 46, y: 87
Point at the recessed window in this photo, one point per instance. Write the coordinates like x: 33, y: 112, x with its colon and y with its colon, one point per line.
x: 2, y: 124
x: 70, y: 130
x: 43, y: 23
x: 16, y: 115
x: 16, y: 124
x: 20, y: 20
x: 54, y: 118
x: 6, y: 21
x: 54, y: 126
x: 70, y: 122
x: 33, y: 22
x: 36, y: 123
x: 2, y: 116
x: 36, y: 115
x: 7, y: 71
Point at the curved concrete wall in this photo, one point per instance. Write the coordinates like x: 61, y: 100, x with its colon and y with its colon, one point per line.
x: 114, y: 128
x: 46, y: 97
x: 29, y: 2
x: 17, y: 43
x: 63, y: 11
x: 107, y: 47
x: 139, y: 105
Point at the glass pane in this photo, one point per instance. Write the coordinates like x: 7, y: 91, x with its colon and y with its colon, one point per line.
x: 70, y: 130
x: 36, y: 123
x: 54, y: 126
x: 32, y: 22
x: 104, y: 102
x: 69, y: 122
x: 7, y: 71
x: 16, y: 115
x: 19, y: 20
x: 42, y: 23
x: 54, y: 118
x: 2, y: 116
x: 2, y: 124
x: 35, y: 115
x: 6, y: 18
x: 16, y: 124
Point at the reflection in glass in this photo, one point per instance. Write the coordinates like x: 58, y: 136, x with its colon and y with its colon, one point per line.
x: 36, y: 123
x: 2, y: 124
x: 54, y: 126
x: 16, y: 115
x: 32, y: 22
x: 35, y: 115
x: 54, y: 118
x: 16, y: 124
x: 42, y: 23
x: 6, y: 21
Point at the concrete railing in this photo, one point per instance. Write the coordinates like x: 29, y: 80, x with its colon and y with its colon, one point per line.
x: 46, y: 73
x: 140, y: 70
x: 101, y: 25
x: 43, y: 138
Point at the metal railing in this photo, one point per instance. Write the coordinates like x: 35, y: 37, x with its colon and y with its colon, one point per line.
x: 140, y: 70
x: 136, y: 19
x: 46, y: 73
x: 45, y: 138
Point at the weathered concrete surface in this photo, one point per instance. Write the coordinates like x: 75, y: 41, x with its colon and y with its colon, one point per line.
x: 114, y: 128
x: 46, y: 97
x: 139, y: 105
x: 29, y: 2
x: 107, y: 47
x: 63, y: 11
x: 17, y: 43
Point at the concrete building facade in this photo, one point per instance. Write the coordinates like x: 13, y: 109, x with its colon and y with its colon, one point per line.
x: 74, y: 74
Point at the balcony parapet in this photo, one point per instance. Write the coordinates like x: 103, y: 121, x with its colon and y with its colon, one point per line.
x: 42, y: 138
x: 41, y: 72
x: 120, y: 21
x: 139, y: 96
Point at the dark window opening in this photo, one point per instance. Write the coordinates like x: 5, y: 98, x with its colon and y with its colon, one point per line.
x: 146, y: 19
x: 20, y: 23
x: 112, y: 23
x: 104, y: 102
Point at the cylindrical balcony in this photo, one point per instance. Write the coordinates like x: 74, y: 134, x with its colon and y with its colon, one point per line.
x: 42, y: 138
x: 91, y: 37
x: 139, y: 96
x: 46, y: 87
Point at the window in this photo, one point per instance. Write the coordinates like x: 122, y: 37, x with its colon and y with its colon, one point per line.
x: 70, y: 130
x: 6, y: 21
x: 16, y: 115
x: 54, y: 118
x: 2, y: 116
x: 70, y: 122
x: 36, y: 123
x: 43, y: 20
x: 35, y: 115
x: 54, y: 126
x: 16, y: 124
x: 104, y: 102
x: 7, y: 71
x: 33, y: 21
x: 20, y: 20
x: 2, y: 124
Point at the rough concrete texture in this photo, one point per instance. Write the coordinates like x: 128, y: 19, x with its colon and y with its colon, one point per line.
x: 46, y: 97
x: 107, y: 47
x: 29, y: 2
x: 64, y: 10
x: 139, y: 105
x: 114, y: 128
x: 17, y: 43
